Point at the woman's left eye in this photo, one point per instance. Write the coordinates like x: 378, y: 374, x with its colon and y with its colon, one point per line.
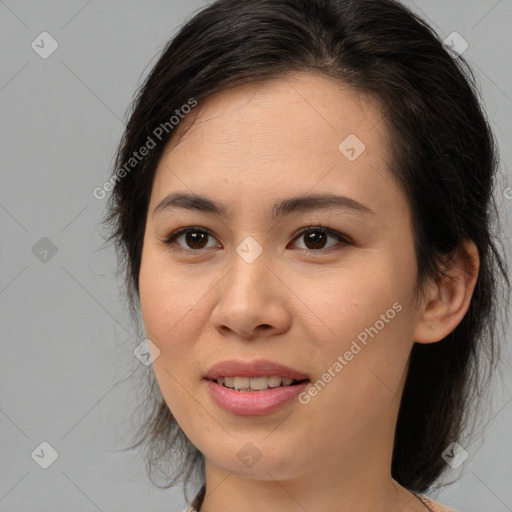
x: 315, y: 238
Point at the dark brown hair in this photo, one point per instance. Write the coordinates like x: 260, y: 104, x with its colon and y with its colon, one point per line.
x: 443, y: 155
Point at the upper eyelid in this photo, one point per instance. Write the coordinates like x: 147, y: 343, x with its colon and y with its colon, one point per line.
x: 329, y: 231
x: 183, y: 230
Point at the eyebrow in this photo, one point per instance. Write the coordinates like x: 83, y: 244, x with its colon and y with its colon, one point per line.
x: 280, y: 209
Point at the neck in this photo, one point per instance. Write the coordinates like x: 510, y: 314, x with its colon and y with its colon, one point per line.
x: 360, y: 480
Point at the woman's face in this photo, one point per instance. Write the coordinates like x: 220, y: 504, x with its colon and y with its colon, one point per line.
x: 247, y: 290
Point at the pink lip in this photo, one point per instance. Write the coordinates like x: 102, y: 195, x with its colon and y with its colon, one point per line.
x: 253, y: 403
x: 256, y: 368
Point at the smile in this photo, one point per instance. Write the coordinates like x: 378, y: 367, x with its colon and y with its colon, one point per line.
x: 256, y: 383
x: 254, y: 388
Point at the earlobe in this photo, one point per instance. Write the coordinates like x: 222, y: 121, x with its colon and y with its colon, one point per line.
x: 447, y: 300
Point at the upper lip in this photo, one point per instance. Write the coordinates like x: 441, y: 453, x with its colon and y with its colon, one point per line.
x: 256, y: 368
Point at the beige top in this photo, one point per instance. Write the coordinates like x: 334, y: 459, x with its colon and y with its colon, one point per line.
x: 431, y: 505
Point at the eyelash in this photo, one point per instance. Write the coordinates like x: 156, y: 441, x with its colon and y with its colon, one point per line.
x: 170, y: 240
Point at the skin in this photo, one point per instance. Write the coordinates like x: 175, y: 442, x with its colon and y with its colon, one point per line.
x: 247, y: 148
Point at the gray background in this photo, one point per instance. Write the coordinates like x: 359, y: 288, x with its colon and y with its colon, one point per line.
x: 67, y: 341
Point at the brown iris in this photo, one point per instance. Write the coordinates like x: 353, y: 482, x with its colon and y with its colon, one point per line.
x: 196, y: 239
x: 316, y: 238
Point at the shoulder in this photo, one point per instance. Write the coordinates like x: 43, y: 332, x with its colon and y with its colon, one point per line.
x: 434, y: 506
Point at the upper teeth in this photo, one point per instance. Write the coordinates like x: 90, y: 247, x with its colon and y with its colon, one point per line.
x: 255, y: 383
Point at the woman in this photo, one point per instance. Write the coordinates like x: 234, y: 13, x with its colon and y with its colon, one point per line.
x: 303, y: 204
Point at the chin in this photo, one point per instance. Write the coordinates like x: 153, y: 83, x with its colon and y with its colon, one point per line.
x: 255, y: 459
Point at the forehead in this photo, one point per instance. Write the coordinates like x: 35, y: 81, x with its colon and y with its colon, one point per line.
x: 280, y: 116
x: 291, y: 134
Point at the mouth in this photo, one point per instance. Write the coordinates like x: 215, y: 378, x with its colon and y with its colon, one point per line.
x: 256, y: 384
x: 254, y: 387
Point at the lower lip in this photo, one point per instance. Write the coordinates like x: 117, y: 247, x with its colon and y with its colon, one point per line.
x: 254, y: 403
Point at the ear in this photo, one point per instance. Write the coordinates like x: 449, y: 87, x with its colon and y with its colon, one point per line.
x: 447, y: 301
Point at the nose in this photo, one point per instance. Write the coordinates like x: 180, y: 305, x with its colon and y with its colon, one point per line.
x: 251, y: 301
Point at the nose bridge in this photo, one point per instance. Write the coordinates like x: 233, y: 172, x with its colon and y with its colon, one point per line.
x: 248, y: 297
x: 249, y: 273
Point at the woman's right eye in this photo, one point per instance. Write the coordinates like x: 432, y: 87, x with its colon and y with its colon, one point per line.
x: 189, y: 239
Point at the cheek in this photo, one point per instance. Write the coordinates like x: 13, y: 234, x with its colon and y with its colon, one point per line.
x: 360, y: 297
x: 171, y: 322
x: 170, y: 300
x: 358, y: 385
x: 370, y: 316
